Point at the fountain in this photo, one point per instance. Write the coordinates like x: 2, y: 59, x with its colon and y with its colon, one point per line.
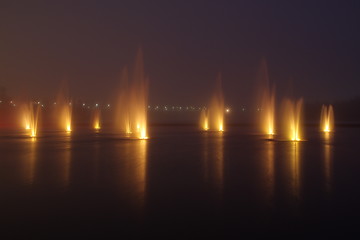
x: 131, y: 116
x: 213, y: 118
x: 64, y: 110
x: 96, y: 119
x: 266, y: 101
x: 30, y: 118
x: 204, y: 120
x: 292, y: 119
x: 327, y: 118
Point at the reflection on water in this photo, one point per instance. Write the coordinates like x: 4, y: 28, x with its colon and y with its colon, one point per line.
x: 132, y: 163
x: 63, y: 164
x: 268, y: 169
x: 294, y: 168
x: 214, y: 159
x: 328, y: 156
x: 30, y: 165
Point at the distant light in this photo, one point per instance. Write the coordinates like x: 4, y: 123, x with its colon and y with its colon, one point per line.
x: 96, y: 105
x: 54, y: 103
x: 227, y: 110
x: 108, y: 105
x: 42, y: 105
x: 83, y: 104
x: 38, y: 103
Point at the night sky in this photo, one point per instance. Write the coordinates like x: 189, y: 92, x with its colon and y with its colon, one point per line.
x: 312, y: 44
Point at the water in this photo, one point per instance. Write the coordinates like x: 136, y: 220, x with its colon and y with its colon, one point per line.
x: 180, y: 183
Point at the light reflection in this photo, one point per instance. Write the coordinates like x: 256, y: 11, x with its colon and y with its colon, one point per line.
x: 132, y: 163
x: 65, y: 164
x: 268, y: 169
x: 328, y: 159
x: 29, y: 166
x: 214, y: 160
x: 295, y: 168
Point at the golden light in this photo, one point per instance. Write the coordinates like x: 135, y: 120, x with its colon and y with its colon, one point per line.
x: 292, y: 119
x: 96, y: 119
x: 30, y: 118
x: 327, y: 118
x: 68, y: 128
x: 204, y: 121
x: 133, y: 102
x: 213, y: 117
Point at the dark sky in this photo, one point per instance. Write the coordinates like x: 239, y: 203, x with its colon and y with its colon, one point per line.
x: 313, y: 44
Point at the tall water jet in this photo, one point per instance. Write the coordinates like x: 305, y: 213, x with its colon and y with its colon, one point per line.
x: 64, y: 110
x: 204, y: 120
x: 30, y: 118
x: 133, y: 101
x: 213, y: 118
x: 327, y: 118
x: 292, y: 119
x: 266, y: 101
x: 96, y: 118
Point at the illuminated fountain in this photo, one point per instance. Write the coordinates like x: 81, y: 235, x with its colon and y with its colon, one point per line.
x: 204, y: 120
x: 292, y: 119
x: 133, y: 102
x: 30, y: 116
x: 267, y: 102
x: 213, y: 118
x: 64, y: 111
x: 96, y: 119
x: 327, y: 119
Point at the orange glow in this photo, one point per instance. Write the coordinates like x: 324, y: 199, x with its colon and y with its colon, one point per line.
x: 292, y: 119
x: 266, y: 101
x: 295, y: 168
x: 213, y: 118
x: 204, y: 120
x: 133, y: 102
x: 64, y: 111
x: 96, y: 119
x: 327, y: 119
x: 30, y: 118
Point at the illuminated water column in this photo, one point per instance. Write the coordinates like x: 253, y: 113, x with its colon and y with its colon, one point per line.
x: 30, y: 118
x: 266, y: 101
x: 133, y: 102
x: 292, y: 116
x: 327, y: 118
x: 96, y: 119
x: 213, y: 117
x: 204, y: 120
x: 63, y: 113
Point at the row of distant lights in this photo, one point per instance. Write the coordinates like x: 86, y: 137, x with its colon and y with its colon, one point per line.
x: 12, y: 103
x: 156, y: 108
x: 177, y: 108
